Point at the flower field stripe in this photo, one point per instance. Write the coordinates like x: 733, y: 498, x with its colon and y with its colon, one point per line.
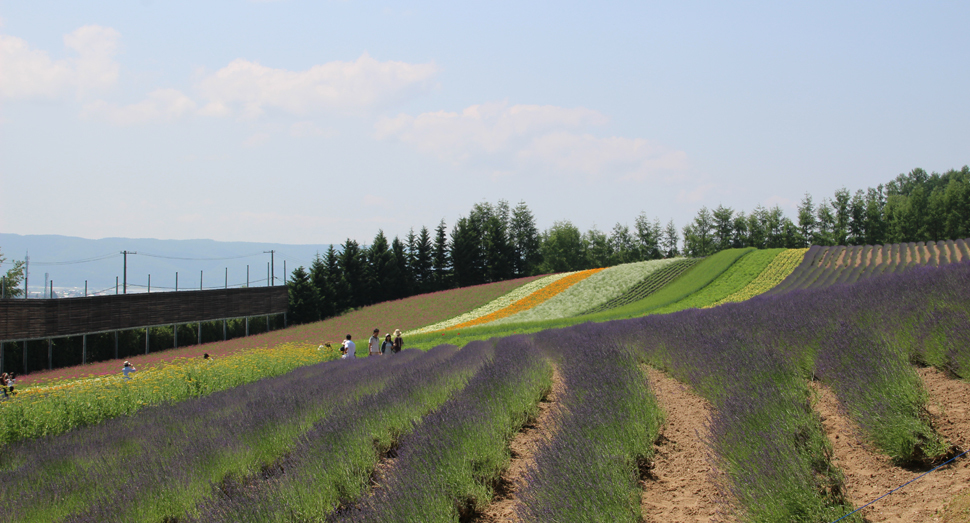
x: 774, y: 273
x: 333, y: 462
x: 47, y: 410
x: 607, y: 423
x: 650, y: 284
x: 736, y: 277
x: 164, y: 460
x: 446, y: 469
x: 593, y: 291
x: 837, y: 265
x: 408, y: 313
x: 497, y: 304
x: 531, y: 300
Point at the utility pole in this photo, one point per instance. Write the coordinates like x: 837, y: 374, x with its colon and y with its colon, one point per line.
x: 27, y: 276
x: 126, y: 253
x: 272, y: 267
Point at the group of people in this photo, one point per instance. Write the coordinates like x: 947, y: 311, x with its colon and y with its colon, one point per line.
x: 7, y: 383
x: 375, y: 347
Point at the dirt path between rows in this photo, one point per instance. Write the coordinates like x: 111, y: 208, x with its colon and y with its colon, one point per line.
x: 870, y: 474
x: 523, y: 447
x: 681, y: 486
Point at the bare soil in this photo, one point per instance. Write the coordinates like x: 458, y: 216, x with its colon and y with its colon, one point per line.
x: 878, y: 250
x: 523, y: 447
x: 840, y: 260
x: 681, y: 485
x: 870, y: 474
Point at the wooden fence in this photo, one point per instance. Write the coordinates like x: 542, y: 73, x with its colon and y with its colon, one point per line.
x: 37, y: 319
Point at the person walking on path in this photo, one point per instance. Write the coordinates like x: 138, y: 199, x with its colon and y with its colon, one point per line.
x: 127, y: 369
x: 349, y: 349
x: 387, y: 345
x: 374, y: 344
x: 398, y: 341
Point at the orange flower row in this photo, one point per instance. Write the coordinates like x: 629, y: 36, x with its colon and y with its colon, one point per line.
x: 531, y: 300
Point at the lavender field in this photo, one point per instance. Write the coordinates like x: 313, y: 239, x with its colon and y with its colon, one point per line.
x: 424, y: 436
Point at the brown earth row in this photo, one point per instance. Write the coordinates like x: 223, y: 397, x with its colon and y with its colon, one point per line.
x: 870, y: 474
x: 523, y: 449
x: 682, y: 485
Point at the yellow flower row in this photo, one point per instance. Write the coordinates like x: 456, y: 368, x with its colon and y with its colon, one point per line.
x: 53, y: 409
x: 776, y: 271
x: 531, y: 300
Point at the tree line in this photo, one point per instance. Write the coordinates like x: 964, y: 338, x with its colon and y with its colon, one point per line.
x: 496, y: 242
x: 913, y: 207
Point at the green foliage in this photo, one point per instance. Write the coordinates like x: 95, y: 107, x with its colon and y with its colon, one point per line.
x: 303, y: 298
x: 697, y: 278
x: 12, y: 278
x: 739, y: 274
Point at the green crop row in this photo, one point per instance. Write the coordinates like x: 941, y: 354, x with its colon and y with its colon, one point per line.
x: 735, y: 278
x: 652, y: 283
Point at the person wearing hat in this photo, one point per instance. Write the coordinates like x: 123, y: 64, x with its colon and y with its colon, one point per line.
x: 128, y: 369
x: 398, y: 341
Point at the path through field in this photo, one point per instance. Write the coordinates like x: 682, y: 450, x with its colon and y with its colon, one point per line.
x: 870, y: 474
x: 682, y: 484
x: 523, y: 447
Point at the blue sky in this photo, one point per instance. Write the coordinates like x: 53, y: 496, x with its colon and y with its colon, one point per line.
x: 311, y: 122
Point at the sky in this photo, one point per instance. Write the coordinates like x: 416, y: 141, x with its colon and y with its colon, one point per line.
x: 313, y: 122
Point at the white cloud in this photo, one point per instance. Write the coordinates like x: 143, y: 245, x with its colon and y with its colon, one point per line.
x: 531, y: 137
x: 631, y: 158
x: 487, y: 128
x: 96, y: 46
x: 366, y: 83
x: 161, y: 105
x: 256, y: 140
x: 781, y: 201
x: 305, y: 129
x: 31, y: 73
x: 696, y: 194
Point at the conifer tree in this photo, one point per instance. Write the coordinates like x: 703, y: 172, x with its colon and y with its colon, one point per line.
x: 302, y: 297
x: 525, y: 240
x: 442, y: 258
x: 423, y: 266
x: 339, y: 299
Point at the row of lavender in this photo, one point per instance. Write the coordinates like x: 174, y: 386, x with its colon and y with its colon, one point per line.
x: 448, y: 469
x: 168, y: 461
x: 753, y: 361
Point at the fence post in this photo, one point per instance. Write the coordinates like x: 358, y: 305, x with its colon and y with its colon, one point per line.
x: 267, y: 323
x: 247, y: 326
x: 116, y: 344
x: 146, y: 341
x: 200, y: 332
x: 84, y: 349
x: 223, y: 330
x: 50, y: 354
x: 175, y: 336
x: 284, y: 320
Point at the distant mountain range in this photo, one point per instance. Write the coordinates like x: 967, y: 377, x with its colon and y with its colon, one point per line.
x: 70, y: 262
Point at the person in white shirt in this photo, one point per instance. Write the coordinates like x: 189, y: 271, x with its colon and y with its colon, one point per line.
x: 374, y: 344
x: 127, y: 369
x: 350, y: 349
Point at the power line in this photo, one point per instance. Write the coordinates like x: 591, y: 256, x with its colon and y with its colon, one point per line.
x: 84, y: 260
x: 198, y: 259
